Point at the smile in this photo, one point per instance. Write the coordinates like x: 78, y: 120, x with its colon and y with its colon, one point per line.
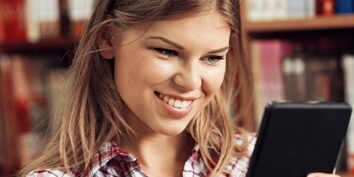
x: 175, y: 102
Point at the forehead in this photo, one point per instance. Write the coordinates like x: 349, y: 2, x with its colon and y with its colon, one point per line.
x: 208, y: 27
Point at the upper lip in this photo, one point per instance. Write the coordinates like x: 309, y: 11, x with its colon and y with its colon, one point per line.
x: 189, y: 98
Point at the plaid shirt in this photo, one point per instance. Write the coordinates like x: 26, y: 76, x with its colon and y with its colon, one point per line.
x: 113, y: 161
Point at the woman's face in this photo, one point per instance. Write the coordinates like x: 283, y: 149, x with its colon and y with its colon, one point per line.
x: 168, y: 71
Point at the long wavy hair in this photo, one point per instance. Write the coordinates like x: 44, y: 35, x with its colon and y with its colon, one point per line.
x: 91, y: 114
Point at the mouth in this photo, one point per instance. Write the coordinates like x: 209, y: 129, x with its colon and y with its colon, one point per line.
x: 179, y: 103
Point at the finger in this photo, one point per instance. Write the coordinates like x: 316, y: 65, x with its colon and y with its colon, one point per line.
x: 322, y: 175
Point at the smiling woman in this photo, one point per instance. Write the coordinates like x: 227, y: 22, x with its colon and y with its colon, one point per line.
x: 149, y: 94
x: 179, y: 65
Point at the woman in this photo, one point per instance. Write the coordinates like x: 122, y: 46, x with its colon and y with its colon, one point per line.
x: 149, y: 91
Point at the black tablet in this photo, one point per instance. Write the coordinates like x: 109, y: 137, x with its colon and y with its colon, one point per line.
x: 298, y: 138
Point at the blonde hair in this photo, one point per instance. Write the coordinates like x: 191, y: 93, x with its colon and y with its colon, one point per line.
x: 91, y: 114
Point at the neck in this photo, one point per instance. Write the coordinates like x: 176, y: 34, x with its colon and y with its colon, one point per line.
x: 161, y: 153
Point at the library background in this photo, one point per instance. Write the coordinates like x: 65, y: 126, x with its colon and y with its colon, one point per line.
x: 299, y: 50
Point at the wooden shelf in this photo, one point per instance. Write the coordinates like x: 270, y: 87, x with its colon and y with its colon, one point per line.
x: 296, y: 25
x: 53, y: 45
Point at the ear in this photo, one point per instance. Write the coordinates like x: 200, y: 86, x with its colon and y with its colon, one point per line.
x: 106, y: 47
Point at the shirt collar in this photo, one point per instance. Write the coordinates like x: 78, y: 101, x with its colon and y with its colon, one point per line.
x: 110, y: 150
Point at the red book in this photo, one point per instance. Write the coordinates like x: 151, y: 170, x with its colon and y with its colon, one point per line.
x: 9, y: 133
x: 267, y: 57
x: 326, y: 7
x: 2, y: 27
x: 14, y: 20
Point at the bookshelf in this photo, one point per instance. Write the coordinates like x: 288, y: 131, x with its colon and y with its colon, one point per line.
x: 37, y: 40
x: 338, y: 22
x: 25, y: 72
x: 53, y: 45
x: 334, y: 31
x: 335, y: 28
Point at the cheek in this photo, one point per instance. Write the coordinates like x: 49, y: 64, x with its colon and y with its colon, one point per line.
x: 142, y: 71
x: 154, y: 71
x: 213, y: 80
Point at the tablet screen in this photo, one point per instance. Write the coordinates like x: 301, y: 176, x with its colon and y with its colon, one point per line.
x: 298, y: 138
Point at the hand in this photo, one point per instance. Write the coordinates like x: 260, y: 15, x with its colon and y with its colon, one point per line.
x: 322, y: 175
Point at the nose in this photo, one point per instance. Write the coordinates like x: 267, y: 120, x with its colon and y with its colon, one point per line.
x: 188, y: 77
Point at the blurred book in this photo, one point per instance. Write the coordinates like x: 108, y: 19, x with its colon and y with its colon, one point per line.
x: 267, y: 10
x: 79, y: 12
x: 326, y: 7
x: 2, y: 25
x: 345, y: 6
x: 348, y: 69
x: 266, y: 61
x: 14, y: 23
x: 320, y: 78
x: 9, y: 144
x: 293, y: 70
x: 23, y: 109
x: 56, y: 88
x: 285, y: 71
x: 23, y: 21
x: 43, y: 19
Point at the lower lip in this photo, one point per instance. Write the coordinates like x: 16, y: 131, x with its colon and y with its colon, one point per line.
x: 175, y: 112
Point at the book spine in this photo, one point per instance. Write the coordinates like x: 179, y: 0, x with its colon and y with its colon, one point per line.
x: 258, y: 103
x: 79, y: 13
x: 279, y: 9
x: 344, y: 6
x: 320, y: 72
x: 2, y: 115
x: 267, y: 10
x: 326, y: 7
x: 2, y: 26
x: 48, y: 19
x: 267, y: 58
x: 295, y: 9
x: 32, y: 18
x: 310, y: 8
x: 14, y: 20
x: 348, y: 69
x: 11, y: 159
x: 294, y: 78
x: 254, y: 10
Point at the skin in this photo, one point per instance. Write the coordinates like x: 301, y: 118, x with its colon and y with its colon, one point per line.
x: 179, y: 58
x: 322, y: 175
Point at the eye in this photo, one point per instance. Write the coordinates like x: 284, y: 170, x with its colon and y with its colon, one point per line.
x: 213, y: 60
x: 166, y: 52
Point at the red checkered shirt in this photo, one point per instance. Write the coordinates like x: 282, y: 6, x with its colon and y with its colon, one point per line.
x: 113, y: 161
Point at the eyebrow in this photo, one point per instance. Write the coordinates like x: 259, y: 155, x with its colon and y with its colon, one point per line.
x: 180, y: 46
x: 219, y: 50
x: 166, y: 41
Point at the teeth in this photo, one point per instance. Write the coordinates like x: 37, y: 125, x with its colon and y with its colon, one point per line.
x: 165, y: 99
x: 171, y: 101
x: 175, y: 102
x: 185, y: 104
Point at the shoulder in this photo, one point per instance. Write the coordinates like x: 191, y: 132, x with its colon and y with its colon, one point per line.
x: 48, y: 173
x: 100, y: 161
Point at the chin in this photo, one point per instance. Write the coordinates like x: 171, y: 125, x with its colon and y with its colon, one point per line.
x: 172, y: 130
